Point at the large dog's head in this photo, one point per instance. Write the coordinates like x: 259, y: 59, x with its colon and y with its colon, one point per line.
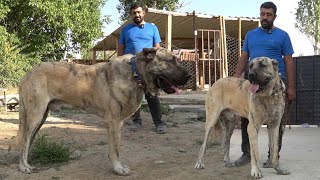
x: 263, y: 73
x: 160, y: 69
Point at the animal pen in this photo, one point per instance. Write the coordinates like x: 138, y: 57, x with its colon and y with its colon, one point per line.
x: 209, y: 46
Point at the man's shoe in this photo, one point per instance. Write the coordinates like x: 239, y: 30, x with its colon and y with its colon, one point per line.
x: 243, y: 160
x: 135, y: 126
x: 161, y: 129
x: 267, y: 164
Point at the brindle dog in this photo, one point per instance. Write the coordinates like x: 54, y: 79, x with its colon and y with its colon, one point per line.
x: 111, y: 90
x: 261, y: 100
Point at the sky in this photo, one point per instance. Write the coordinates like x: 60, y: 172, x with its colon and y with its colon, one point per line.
x: 246, y: 8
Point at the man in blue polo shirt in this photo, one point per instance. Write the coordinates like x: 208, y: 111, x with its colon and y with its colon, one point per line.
x: 133, y: 38
x: 268, y: 41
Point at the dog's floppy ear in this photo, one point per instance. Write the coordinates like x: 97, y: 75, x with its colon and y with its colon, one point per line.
x: 149, y: 53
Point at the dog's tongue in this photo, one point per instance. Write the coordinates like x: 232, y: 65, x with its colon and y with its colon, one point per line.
x: 254, y: 88
x: 176, y: 89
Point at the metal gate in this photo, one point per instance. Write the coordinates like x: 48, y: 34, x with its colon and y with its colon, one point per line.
x: 210, y: 57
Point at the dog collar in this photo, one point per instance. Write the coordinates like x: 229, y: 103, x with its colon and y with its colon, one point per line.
x: 281, y: 88
x: 134, y: 68
x: 136, y: 74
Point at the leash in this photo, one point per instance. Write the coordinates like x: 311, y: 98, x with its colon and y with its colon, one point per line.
x: 286, y: 119
x: 136, y: 75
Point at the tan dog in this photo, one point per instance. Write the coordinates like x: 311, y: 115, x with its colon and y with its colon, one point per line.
x: 261, y: 101
x: 112, y: 90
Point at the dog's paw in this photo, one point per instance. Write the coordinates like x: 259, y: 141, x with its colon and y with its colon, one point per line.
x: 281, y: 170
x: 267, y: 164
x: 229, y: 164
x: 26, y: 169
x: 122, y: 170
x: 256, y: 173
x: 199, y: 165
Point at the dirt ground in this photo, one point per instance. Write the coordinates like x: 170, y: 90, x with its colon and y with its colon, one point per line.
x: 150, y: 155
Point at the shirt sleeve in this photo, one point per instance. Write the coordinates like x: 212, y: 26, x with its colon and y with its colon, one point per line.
x: 156, y: 37
x: 287, y: 46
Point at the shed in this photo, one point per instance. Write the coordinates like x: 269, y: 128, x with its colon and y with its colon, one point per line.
x: 212, y: 44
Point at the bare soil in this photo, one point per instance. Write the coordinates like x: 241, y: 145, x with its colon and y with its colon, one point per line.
x: 153, y: 156
x: 149, y: 155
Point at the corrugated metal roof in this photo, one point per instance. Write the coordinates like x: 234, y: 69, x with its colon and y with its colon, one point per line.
x: 183, y: 27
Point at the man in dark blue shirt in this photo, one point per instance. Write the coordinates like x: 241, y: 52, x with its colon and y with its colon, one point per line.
x: 133, y: 38
x: 268, y: 41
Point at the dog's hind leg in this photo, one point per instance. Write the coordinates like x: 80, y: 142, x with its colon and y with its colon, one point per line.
x: 212, y: 116
x: 35, y: 115
x: 228, y: 119
x: 113, y: 125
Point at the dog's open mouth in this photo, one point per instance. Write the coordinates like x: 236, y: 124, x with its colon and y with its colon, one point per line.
x: 257, y: 87
x: 167, y: 87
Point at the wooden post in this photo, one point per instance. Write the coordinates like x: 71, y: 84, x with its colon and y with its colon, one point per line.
x: 203, y: 57
x: 169, y: 32
x: 209, y: 58
x: 196, y: 49
x: 94, y: 57
x: 225, y: 49
x: 222, y: 71
x: 5, y: 100
x: 117, y: 43
x: 239, y: 36
x: 104, y: 50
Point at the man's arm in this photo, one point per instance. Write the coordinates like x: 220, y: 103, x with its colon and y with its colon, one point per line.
x: 242, y: 63
x: 120, y: 51
x: 290, y: 77
x: 157, y: 45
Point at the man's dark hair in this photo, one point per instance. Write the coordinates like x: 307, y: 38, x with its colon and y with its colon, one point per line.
x: 137, y: 5
x: 268, y: 5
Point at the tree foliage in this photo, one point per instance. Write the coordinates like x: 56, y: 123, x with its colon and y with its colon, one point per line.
x: 13, y: 63
x: 34, y: 30
x: 124, y: 6
x: 41, y: 25
x: 308, y: 21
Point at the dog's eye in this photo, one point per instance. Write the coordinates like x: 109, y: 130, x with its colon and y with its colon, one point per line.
x: 251, y: 66
x: 262, y: 65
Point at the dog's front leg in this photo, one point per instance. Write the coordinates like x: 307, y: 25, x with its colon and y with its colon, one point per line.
x: 274, y: 149
x: 113, y: 126
x: 253, y: 130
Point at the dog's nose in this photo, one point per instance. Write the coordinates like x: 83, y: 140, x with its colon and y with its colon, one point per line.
x: 251, y: 75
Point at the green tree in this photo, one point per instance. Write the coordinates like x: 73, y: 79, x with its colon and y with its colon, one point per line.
x: 34, y: 30
x: 124, y: 6
x: 308, y: 21
x: 41, y: 25
x: 13, y: 63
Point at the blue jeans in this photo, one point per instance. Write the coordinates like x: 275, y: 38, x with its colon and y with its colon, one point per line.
x: 155, y: 110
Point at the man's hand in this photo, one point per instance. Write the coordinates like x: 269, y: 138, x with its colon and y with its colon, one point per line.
x: 291, y: 92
